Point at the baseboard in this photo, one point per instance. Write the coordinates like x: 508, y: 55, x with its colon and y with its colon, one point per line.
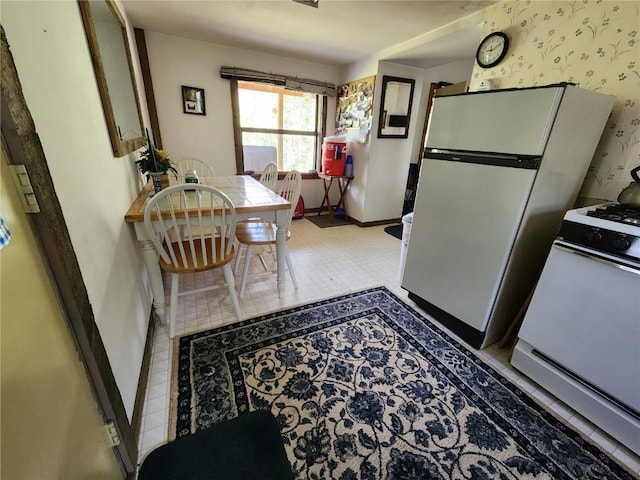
x: 358, y: 222
x: 376, y: 223
x: 143, y: 379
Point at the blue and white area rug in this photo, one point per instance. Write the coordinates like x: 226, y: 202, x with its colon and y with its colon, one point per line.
x: 364, y: 387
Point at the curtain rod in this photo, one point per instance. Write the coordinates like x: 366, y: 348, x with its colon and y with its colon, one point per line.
x: 292, y: 82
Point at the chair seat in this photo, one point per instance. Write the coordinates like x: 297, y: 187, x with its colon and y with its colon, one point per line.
x: 200, y: 265
x: 246, y: 448
x: 261, y: 233
x: 257, y: 233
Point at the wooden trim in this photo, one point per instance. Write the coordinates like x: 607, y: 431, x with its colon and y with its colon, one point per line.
x: 238, y: 130
x: 435, y: 90
x: 143, y: 57
x: 376, y: 223
x: 432, y: 89
x: 267, y: 87
x: 125, y: 146
x: 237, y: 133
x: 280, y: 138
x: 280, y: 131
x: 98, y: 68
x: 323, y: 130
x: 24, y: 147
x: 143, y: 380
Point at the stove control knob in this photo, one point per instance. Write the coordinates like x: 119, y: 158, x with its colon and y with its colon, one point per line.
x: 593, y: 236
x: 621, y: 243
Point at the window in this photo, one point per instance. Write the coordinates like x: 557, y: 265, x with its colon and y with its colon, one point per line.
x: 278, y: 125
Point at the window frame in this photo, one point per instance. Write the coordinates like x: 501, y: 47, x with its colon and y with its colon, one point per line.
x: 321, y: 116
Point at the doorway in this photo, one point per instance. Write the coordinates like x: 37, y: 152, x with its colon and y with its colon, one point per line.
x: 438, y: 89
x: 51, y: 426
x: 22, y: 146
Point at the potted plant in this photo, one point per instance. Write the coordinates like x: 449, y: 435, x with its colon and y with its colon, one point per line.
x: 156, y: 161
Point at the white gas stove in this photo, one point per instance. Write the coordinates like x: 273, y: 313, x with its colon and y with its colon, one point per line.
x: 580, y: 338
x: 608, y: 228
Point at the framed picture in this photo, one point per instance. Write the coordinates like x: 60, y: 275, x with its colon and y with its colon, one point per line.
x: 193, y: 100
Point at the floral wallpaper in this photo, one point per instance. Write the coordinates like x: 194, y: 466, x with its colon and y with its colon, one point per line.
x: 592, y: 43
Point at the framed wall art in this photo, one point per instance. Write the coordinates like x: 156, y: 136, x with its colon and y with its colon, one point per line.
x: 193, y: 100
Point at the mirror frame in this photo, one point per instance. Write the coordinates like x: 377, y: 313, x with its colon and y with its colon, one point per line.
x: 120, y: 147
x: 382, y: 120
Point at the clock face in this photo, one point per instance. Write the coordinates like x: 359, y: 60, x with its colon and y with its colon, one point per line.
x: 492, y: 49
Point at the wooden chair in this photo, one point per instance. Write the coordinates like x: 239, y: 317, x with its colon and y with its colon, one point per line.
x: 269, y: 176
x: 199, y: 251
x: 263, y: 234
x: 202, y: 168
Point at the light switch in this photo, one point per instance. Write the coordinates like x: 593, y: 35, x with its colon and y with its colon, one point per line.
x: 23, y: 185
x: 23, y: 179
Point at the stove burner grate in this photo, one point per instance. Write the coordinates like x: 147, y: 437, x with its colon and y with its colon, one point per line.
x: 617, y: 213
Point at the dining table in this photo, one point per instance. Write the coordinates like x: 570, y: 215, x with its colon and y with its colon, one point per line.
x: 250, y: 198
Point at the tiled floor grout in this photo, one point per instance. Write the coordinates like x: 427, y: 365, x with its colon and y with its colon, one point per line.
x: 328, y: 262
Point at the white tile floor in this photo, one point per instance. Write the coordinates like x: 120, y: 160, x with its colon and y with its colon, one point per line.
x: 328, y: 262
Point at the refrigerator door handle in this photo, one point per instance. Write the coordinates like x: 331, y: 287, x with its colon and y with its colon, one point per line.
x: 530, y: 162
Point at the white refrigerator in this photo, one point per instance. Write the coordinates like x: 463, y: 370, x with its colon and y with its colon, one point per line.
x: 500, y: 169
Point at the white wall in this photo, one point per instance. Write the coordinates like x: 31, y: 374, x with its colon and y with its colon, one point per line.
x: 389, y: 158
x: 176, y: 61
x: 381, y: 166
x: 95, y: 189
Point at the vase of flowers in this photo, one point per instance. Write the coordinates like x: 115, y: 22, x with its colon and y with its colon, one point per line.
x: 155, y: 163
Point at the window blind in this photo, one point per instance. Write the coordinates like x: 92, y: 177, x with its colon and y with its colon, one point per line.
x: 290, y: 83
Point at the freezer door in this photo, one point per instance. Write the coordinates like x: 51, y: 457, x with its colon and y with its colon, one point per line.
x: 507, y: 121
x: 464, y: 226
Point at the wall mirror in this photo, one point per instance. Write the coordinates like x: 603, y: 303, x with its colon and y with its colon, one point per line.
x: 397, y: 96
x: 111, y: 58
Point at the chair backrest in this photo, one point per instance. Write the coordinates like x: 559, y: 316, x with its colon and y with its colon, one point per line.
x: 202, y: 168
x: 290, y: 189
x: 190, y: 206
x: 269, y: 176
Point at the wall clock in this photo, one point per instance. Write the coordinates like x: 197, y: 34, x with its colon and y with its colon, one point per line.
x: 492, y: 49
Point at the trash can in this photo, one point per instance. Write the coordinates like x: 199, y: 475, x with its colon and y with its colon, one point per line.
x: 406, y: 234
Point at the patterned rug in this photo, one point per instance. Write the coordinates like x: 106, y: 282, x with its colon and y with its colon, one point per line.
x: 364, y: 387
